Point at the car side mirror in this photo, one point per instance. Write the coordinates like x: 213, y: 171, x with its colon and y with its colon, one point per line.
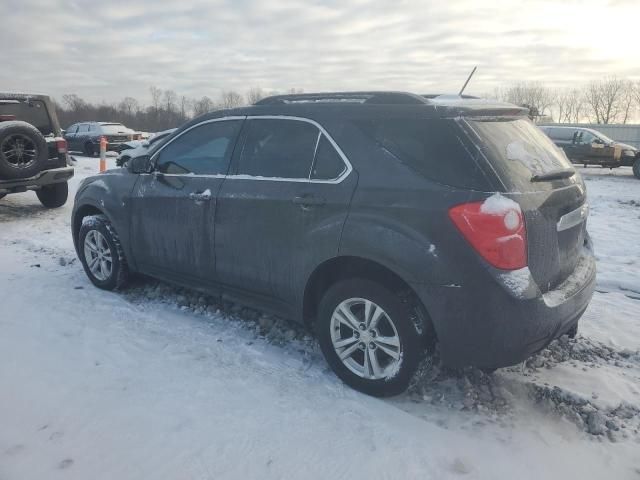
x: 141, y: 164
x: 598, y: 141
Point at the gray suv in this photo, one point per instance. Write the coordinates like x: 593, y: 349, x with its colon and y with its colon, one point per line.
x: 386, y: 222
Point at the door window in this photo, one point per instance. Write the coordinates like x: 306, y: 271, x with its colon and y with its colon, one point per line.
x: 587, y: 138
x: 83, y: 128
x: 204, y: 150
x: 328, y: 164
x: 278, y: 148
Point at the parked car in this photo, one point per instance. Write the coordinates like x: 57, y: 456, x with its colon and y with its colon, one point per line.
x: 386, y: 222
x: 135, y: 148
x: 590, y: 147
x: 85, y: 137
x: 33, y: 154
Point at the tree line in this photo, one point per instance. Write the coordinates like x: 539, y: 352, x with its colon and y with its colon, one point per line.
x: 604, y: 101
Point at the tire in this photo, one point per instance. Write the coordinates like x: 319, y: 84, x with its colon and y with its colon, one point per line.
x: 104, y: 238
x: 636, y: 168
x: 2, y: 195
x: 53, y: 196
x: 395, y: 365
x: 89, y: 150
x: 23, y: 150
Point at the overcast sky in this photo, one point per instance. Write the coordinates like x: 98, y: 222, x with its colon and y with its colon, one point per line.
x: 105, y: 50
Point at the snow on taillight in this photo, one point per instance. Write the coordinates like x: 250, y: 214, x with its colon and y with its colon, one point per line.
x: 495, y: 228
x: 61, y: 145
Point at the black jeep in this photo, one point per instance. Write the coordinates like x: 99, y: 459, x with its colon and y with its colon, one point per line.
x: 33, y: 154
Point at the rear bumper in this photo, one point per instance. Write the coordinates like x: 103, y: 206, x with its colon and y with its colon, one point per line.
x: 488, y: 325
x: 45, y: 177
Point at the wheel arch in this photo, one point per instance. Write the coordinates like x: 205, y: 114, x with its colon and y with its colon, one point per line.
x: 79, y: 213
x: 348, y: 266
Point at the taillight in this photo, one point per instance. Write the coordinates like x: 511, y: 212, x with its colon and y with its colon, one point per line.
x: 495, y: 228
x: 61, y: 145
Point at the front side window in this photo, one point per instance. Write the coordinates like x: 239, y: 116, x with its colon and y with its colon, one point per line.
x: 204, y: 150
x: 328, y: 164
x: 278, y: 149
x: 587, y: 138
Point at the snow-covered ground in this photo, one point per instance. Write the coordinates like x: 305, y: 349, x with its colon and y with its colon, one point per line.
x: 158, y: 382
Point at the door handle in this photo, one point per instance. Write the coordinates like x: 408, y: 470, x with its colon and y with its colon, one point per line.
x: 306, y: 201
x: 201, y: 196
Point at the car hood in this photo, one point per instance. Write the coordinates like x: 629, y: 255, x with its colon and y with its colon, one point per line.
x: 625, y: 146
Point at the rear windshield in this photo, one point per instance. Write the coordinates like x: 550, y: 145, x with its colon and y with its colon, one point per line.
x: 114, y: 128
x: 33, y: 112
x: 434, y: 148
x: 518, y: 150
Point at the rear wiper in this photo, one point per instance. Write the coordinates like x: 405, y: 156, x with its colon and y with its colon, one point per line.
x: 554, y: 175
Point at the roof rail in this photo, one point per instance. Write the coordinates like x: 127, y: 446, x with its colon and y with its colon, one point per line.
x: 381, y: 98
x: 436, y: 95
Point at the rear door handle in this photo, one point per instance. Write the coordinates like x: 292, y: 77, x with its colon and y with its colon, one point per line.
x: 306, y: 201
x: 201, y: 196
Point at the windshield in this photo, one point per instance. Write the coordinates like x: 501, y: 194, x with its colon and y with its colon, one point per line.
x: 603, y: 137
x: 113, y: 128
x: 519, y: 150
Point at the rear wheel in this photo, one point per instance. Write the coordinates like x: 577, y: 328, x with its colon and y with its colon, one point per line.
x: 367, y: 336
x: 53, y: 196
x: 101, y: 254
x: 636, y: 168
x: 2, y: 195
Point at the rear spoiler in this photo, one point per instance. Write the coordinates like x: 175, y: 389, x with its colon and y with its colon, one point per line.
x: 477, y: 107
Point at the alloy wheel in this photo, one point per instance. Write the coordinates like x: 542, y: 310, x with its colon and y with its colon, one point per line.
x: 19, y: 151
x: 98, y: 255
x: 366, y: 339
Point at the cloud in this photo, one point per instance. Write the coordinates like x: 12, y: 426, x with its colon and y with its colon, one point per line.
x: 108, y: 50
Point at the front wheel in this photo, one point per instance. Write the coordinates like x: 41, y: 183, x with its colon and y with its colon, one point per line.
x: 636, y: 168
x: 101, y: 254
x: 367, y: 336
x: 53, y: 196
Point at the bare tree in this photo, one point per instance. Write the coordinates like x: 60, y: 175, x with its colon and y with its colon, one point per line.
x: 254, y: 95
x: 156, y: 96
x: 184, y: 106
x: 570, y: 105
x: 202, y: 106
x: 74, y: 102
x: 170, y: 99
x: 605, y: 100
x: 533, y: 95
x: 230, y: 99
x: 129, y: 106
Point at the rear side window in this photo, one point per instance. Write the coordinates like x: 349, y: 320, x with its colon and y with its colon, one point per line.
x: 518, y: 150
x: 83, y: 128
x: 278, y: 148
x: 328, y: 164
x: 203, y: 150
x: 33, y: 112
x: 433, y: 148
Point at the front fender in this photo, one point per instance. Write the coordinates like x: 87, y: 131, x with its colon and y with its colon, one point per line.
x: 108, y: 193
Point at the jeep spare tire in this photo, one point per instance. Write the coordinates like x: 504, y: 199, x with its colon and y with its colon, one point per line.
x: 23, y: 150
